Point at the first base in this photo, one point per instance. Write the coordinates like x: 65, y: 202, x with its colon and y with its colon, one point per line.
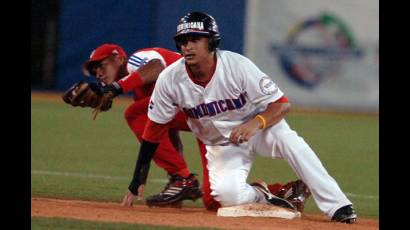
x: 258, y: 210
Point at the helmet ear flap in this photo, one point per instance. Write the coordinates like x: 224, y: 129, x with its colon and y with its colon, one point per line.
x: 213, y: 43
x: 177, y: 45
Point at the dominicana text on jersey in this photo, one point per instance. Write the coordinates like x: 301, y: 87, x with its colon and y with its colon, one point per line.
x: 237, y: 91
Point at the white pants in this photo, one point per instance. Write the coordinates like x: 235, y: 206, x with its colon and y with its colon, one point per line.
x: 229, y: 167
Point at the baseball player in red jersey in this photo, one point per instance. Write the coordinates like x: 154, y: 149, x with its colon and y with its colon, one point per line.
x: 138, y: 75
x: 238, y: 112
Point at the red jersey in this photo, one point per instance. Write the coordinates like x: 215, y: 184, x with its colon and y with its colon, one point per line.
x: 140, y: 58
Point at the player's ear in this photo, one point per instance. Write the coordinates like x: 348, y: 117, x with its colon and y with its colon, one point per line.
x: 120, y: 59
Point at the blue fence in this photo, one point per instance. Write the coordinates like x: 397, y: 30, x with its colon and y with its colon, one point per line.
x: 134, y: 24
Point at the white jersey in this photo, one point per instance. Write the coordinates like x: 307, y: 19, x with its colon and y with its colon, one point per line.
x: 237, y: 91
x: 142, y: 57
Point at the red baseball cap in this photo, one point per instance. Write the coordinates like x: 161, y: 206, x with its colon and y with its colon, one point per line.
x: 100, y: 53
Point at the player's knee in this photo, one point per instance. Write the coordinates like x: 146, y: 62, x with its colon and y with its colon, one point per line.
x: 281, y: 137
x: 132, y: 118
x: 228, y: 193
x: 129, y: 115
x: 290, y: 143
x: 282, y: 133
x: 228, y: 197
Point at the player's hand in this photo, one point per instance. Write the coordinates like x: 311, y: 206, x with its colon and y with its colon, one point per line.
x: 140, y: 192
x: 245, y: 131
x: 113, y: 88
x: 129, y: 197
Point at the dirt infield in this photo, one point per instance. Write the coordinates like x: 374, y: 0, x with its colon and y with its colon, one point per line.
x: 185, y: 217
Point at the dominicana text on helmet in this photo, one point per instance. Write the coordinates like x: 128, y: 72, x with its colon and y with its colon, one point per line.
x: 200, y: 24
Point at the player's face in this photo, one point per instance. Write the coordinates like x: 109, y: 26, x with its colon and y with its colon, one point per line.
x: 107, y: 70
x: 194, y: 48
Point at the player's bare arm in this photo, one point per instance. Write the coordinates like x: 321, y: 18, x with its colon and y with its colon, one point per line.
x: 272, y: 115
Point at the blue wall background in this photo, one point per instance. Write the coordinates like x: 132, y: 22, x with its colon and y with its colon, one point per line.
x: 134, y: 24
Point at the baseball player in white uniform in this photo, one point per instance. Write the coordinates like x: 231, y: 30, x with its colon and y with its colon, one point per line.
x: 238, y: 112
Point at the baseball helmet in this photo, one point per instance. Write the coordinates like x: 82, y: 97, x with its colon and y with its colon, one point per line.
x: 200, y: 24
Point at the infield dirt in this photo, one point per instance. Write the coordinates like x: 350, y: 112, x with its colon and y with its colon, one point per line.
x: 184, y: 217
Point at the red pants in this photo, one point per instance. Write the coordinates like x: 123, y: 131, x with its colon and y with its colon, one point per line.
x: 167, y: 156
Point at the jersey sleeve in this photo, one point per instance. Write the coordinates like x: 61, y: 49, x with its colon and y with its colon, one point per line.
x: 259, y: 87
x: 140, y: 58
x: 130, y: 82
x: 162, y: 107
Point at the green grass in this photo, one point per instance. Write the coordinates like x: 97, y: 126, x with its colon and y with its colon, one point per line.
x: 73, y: 156
x: 69, y: 150
x: 38, y: 223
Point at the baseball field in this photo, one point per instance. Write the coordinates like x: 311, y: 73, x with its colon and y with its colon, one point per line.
x: 80, y: 170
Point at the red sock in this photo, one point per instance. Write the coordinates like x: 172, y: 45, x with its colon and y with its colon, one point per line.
x: 183, y: 173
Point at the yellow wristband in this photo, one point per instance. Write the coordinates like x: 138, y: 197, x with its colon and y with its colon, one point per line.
x: 263, y: 121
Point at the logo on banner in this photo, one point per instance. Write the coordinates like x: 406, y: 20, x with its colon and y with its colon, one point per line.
x: 314, y: 50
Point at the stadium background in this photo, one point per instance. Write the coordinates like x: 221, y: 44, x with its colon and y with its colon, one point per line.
x: 323, y: 54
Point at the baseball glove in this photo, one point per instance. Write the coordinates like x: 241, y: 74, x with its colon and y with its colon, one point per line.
x: 88, y: 95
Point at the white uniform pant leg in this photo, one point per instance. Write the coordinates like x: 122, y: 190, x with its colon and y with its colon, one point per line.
x: 279, y: 141
x: 229, y: 167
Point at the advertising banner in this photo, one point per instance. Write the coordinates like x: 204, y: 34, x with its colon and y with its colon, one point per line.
x: 321, y: 53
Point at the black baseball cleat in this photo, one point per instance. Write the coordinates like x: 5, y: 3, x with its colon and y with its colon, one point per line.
x: 177, y: 190
x: 275, y: 200
x: 345, y: 214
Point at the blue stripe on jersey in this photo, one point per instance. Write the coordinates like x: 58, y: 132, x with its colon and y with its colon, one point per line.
x: 136, y: 60
x: 133, y: 63
x: 135, y: 56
